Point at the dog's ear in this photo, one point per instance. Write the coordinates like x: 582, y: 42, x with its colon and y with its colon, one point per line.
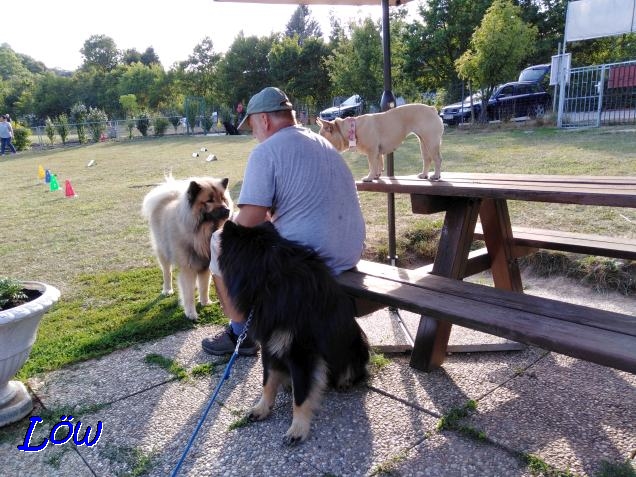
x: 193, y: 191
x: 319, y: 122
x: 225, y: 181
x: 229, y: 226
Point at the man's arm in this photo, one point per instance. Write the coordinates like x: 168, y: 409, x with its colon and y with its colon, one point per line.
x: 251, y: 215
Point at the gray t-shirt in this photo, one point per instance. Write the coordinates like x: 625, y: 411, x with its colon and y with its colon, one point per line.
x: 311, y: 193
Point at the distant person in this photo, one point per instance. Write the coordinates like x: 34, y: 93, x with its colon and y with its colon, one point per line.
x: 239, y: 112
x: 6, y: 135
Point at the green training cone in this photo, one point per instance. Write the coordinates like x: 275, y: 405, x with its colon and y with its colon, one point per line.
x: 54, y: 184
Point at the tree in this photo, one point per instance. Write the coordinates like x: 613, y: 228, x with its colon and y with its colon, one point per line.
x: 149, y: 57
x: 130, y: 56
x: 100, y: 51
x: 356, y: 65
x: 499, y: 47
x: 431, y: 46
x: 52, y: 96
x: 549, y: 18
x: 129, y: 104
x: 199, y: 70
x: 10, y: 64
x: 244, y: 70
x: 302, y: 26
x: 142, y: 81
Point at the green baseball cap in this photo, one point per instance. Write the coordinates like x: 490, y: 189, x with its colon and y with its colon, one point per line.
x: 267, y: 100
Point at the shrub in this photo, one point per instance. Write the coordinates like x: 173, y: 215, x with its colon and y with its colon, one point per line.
x: 174, y: 120
x: 11, y: 292
x: 207, y: 124
x: 160, y: 124
x: 143, y: 123
x: 49, y: 128
x: 130, y: 125
x: 191, y: 118
x: 62, y: 127
x: 21, y: 137
x: 96, y: 123
x: 78, y: 115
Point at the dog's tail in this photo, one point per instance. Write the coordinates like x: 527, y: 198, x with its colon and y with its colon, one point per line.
x: 165, y: 192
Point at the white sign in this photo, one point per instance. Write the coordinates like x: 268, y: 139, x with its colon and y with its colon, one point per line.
x: 560, y: 67
x: 587, y: 19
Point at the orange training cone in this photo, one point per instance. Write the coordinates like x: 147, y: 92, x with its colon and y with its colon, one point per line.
x: 69, y: 189
x: 41, y: 173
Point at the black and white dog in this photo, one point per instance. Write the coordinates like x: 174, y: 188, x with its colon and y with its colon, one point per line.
x: 301, y: 317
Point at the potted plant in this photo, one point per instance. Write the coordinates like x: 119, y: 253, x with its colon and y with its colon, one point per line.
x: 22, y: 305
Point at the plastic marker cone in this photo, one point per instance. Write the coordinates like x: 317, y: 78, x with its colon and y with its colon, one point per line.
x: 47, y: 176
x: 204, y: 149
x: 91, y: 163
x: 211, y: 157
x: 40, y: 172
x: 69, y: 192
x: 54, y: 184
x: 195, y: 154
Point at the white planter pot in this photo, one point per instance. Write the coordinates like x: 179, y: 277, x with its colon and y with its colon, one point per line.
x: 18, y: 330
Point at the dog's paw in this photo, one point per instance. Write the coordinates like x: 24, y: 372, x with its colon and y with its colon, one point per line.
x: 297, y: 432
x: 167, y: 292
x: 367, y: 179
x: 204, y: 300
x: 192, y: 315
x: 259, y: 412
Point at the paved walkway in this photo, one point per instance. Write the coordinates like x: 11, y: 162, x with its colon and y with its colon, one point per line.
x: 570, y: 415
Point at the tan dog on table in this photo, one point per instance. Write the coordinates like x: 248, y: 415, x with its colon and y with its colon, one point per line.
x: 381, y: 133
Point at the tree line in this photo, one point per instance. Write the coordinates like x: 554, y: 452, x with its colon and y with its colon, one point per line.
x: 450, y: 43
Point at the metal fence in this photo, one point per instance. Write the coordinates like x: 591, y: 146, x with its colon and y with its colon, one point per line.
x: 600, y: 95
x: 116, y: 130
x: 123, y: 130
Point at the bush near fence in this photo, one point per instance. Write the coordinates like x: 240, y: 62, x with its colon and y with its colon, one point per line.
x: 114, y: 130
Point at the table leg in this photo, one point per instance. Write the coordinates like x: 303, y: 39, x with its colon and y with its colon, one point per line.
x: 495, y: 221
x: 451, y: 259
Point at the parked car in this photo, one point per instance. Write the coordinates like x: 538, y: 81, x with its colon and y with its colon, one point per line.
x: 535, y: 73
x: 457, y: 113
x: 352, y: 106
x: 518, y: 99
x: 510, y: 100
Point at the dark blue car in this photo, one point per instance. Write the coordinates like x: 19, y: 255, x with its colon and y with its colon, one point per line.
x: 510, y: 100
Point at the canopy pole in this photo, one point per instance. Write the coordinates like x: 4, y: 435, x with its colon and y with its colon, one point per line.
x: 388, y: 102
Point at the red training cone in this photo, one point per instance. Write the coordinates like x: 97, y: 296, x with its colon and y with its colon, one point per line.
x: 69, y: 189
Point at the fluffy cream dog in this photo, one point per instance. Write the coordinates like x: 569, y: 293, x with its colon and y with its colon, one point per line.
x: 183, y: 215
x: 381, y: 133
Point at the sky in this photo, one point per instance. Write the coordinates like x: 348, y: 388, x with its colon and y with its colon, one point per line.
x: 53, y: 32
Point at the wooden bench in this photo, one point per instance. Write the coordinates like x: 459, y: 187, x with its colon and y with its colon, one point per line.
x: 527, y: 240
x: 593, y: 335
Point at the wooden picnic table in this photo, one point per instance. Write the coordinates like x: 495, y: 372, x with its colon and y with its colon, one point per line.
x: 465, y: 197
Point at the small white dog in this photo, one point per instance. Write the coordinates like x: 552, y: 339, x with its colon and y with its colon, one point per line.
x: 381, y: 133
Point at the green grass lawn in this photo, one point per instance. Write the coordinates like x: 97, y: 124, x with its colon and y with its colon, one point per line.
x: 96, y: 249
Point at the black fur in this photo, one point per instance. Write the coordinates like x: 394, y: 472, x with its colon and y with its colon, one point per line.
x: 230, y: 129
x: 290, y: 290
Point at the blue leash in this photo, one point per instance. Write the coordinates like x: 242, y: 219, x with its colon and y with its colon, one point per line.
x: 226, y: 375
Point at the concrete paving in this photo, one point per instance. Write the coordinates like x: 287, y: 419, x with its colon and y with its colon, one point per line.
x: 571, y: 416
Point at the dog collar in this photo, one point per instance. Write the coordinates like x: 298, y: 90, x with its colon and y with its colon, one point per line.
x: 352, y: 132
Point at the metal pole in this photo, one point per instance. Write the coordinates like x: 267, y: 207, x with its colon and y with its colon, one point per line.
x: 388, y: 102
